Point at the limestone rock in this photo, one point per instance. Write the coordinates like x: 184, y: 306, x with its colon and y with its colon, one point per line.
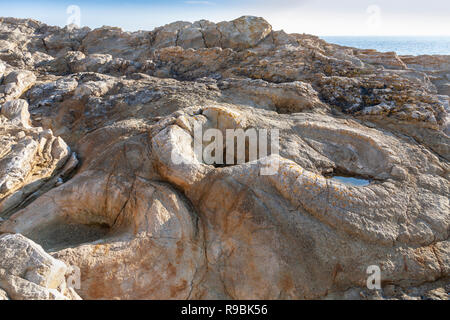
x: 242, y: 33
x: 2, y: 70
x: 27, y: 272
x: 29, y: 156
x: 3, y: 295
x: 289, y: 97
x: 137, y: 190
x: 17, y: 112
x: 15, y: 84
x: 32, y: 263
x: 436, y: 67
x: 389, y: 60
x: 245, y: 32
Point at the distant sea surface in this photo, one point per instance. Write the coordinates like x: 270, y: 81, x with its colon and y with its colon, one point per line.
x: 402, y: 45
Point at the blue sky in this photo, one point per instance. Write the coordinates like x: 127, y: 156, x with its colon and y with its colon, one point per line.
x: 320, y: 17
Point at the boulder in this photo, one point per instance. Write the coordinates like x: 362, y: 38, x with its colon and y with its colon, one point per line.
x: 17, y: 112
x: 27, y: 272
x: 15, y: 84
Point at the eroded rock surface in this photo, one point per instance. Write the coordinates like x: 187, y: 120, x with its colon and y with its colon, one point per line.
x: 31, y: 159
x: 140, y: 225
x: 27, y: 272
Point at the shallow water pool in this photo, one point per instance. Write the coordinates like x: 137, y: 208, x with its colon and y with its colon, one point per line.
x: 355, y: 182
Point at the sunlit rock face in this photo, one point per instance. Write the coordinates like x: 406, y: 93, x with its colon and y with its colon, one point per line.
x: 99, y: 164
x: 27, y: 272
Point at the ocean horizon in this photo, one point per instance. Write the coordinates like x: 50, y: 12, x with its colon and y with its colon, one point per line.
x: 402, y: 45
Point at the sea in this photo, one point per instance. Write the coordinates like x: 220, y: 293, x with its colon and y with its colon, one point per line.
x: 401, y: 45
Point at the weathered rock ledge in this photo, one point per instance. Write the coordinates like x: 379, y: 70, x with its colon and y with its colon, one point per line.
x: 90, y: 122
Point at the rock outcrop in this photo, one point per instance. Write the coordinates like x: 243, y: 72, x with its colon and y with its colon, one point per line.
x: 27, y: 272
x: 144, y: 217
x: 32, y: 159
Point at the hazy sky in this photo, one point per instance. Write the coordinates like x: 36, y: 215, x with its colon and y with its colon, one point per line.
x: 320, y: 17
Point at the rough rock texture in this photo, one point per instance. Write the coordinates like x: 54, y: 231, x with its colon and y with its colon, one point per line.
x: 28, y: 272
x: 141, y: 226
x: 32, y: 159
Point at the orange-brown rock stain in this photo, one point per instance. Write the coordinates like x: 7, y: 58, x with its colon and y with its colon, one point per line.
x: 174, y: 290
x: 286, y: 283
x: 171, y: 270
x: 180, y: 251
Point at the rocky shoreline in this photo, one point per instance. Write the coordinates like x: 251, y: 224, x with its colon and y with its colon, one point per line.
x: 90, y: 119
